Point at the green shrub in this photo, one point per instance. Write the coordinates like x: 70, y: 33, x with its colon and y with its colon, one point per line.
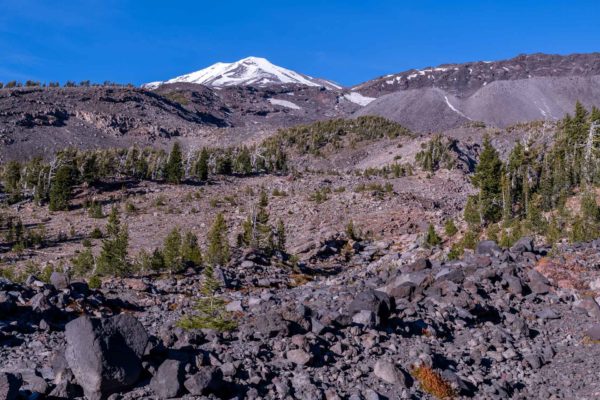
x: 450, y: 228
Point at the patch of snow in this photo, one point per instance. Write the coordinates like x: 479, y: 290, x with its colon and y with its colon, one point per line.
x: 455, y: 109
x: 284, y: 103
x: 151, y: 85
x: 358, y: 98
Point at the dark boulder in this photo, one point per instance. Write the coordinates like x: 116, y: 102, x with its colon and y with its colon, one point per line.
x: 525, y: 244
x: 377, y: 302
x: 206, y: 380
x: 538, y: 282
x: 105, y: 354
x: 59, y: 280
x: 168, y: 380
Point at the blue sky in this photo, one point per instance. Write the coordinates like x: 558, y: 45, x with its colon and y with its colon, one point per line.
x: 348, y: 41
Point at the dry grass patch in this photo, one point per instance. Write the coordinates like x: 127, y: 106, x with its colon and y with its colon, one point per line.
x: 432, y: 382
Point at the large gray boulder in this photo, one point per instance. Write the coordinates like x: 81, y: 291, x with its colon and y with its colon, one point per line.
x: 59, y: 280
x: 377, y: 302
x: 522, y: 245
x: 105, y: 354
x: 388, y: 372
x: 168, y: 380
x: 205, y: 380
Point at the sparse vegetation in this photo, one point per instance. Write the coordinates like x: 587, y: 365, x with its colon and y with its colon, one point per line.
x: 432, y: 382
x: 210, y: 310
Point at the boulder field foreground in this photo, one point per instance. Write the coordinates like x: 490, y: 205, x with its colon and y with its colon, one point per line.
x: 519, y: 323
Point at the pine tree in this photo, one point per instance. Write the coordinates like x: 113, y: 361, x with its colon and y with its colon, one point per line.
x: 12, y: 180
x: 488, y: 178
x: 83, y: 263
x: 218, y: 245
x: 224, y: 165
x: 201, y: 166
x: 174, y: 168
x: 449, y: 228
x: 471, y: 212
x: 210, y: 312
x: 89, y: 170
x: 157, y: 261
x: 113, y: 256
x: 61, y: 186
x: 172, y: 251
x: 256, y: 230
x: 431, y: 238
x: 95, y: 210
x: 281, y: 236
x: 190, y: 251
x: 243, y: 162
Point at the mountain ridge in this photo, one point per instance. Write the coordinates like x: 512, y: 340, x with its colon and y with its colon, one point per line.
x: 249, y: 71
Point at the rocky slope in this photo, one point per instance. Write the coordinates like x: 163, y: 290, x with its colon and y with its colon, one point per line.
x: 371, y: 325
x: 500, y: 93
x: 501, y: 103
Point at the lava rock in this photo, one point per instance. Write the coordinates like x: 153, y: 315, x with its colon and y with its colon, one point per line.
x: 537, y: 282
x: 389, y: 373
x: 298, y: 356
x: 207, y: 379
x: 168, y: 381
x: 523, y: 245
x: 59, y: 280
x: 105, y: 354
x: 377, y: 302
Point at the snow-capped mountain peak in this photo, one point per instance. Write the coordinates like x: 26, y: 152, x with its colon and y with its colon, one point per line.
x: 249, y: 71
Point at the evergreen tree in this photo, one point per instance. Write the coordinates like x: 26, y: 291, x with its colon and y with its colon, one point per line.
x: 172, y: 251
x: 210, y: 312
x: 224, y: 165
x: 488, y: 178
x: 431, y: 238
x: 243, y: 162
x: 157, y: 261
x: 257, y: 232
x: 281, y: 236
x: 471, y: 212
x: 449, y: 228
x: 95, y: 210
x: 83, y: 263
x: 174, y: 168
x: 89, y: 172
x: 218, y: 245
x: 113, y: 256
x: 201, y: 166
x: 586, y: 225
x: 12, y: 180
x: 190, y: 251
x: 61, y: 186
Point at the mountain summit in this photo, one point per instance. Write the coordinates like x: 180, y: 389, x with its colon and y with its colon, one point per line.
x: 249, y: 71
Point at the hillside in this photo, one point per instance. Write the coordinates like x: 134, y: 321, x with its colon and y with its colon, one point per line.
x: 500, y: 103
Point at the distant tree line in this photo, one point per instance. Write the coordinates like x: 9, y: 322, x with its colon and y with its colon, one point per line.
x: 52, y: 182
x: 56, y: 84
